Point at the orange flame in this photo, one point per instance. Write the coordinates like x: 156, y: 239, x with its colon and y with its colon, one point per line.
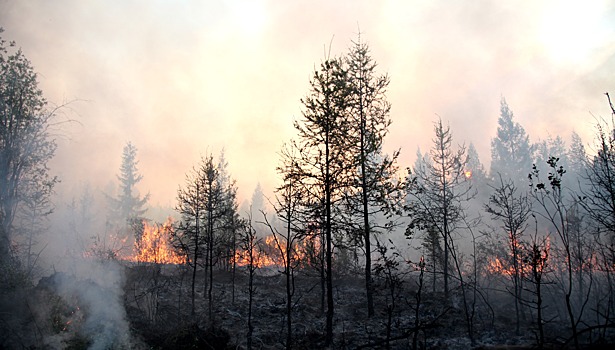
x: 155, y: 245
x: 272, y: 252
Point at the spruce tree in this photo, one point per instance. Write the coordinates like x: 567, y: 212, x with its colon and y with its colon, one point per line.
x: 511, y: 152
x: 128, y: 208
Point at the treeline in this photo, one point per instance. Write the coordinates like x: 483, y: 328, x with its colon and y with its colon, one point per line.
x: 534, y: 234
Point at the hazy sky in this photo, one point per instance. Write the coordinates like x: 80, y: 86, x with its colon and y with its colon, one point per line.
x: 183, y: 78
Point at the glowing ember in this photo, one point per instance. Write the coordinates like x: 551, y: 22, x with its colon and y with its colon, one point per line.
x: 155, y: 245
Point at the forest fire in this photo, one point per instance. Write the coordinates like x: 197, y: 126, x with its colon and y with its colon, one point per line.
x: 154, y: 246
x: 272, y: 253
x: 498, y: 267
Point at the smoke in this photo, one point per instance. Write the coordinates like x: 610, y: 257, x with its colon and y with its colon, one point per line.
x: 95, y: 292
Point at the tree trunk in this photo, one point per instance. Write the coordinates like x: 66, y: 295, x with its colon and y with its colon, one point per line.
x: 328, y: 251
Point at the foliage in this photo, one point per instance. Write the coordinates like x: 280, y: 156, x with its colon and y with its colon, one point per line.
x: 128, y: 207
x: 511, y: 152
x: 26, y: 147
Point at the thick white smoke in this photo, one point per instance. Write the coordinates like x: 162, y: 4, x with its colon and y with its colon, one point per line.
x: 97, y: 287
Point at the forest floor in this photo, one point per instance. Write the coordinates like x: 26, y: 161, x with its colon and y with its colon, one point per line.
x: 149, y: 306
x: 158, y: 305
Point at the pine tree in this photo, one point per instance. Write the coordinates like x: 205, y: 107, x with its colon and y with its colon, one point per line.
x: 474, y: 168
x: 375, y: 191
x: 436, y: 193
x: 577, y: 156
x: 511, y: 152
x: 323, y: 135
x: 128, y: 207
x: 204, y: 205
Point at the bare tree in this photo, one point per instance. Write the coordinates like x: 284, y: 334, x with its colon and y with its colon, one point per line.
x: 188, y: 238
x: 557, y: 212
x: 512, y: 209
x: 288, y: 203
x: 536, y: 257
x: 250, y: 244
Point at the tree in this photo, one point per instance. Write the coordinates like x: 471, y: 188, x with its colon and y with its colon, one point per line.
x: 431, y: 238
x: 288, y: 204
x: 512, y: 209
x: 598, y: 199
x: 536, y: 257
x: 32, y: 216
x: 552, y: 147
x: 323, y: 133
x: 26, y: 145
x: 258, y: 199
x: 229, y: 221
x: 204, y: 205
x: 250, y: 244
x: 511, y: 153
x: 550, y: 197
x: 436, y: 194
x: 375, y: 190
x: 188, y: 238
x: 577, y: 156
x: 128, y: 207
x: 475, y: 170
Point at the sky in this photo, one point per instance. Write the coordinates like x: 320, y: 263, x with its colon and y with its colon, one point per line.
x: 181, y: 79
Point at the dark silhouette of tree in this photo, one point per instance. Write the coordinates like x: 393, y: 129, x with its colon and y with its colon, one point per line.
x: 204, y: 205
x: 323, y: 135
x: 188, y: 238
x: 558, y: 211
x: 26, y: 146
x: 214, y: 214
x: 250, y: 244
x: 511, y: 151
x: 375, y: 190
x: 536, y: 257
x: 288, y: 207
x: 552, y: 147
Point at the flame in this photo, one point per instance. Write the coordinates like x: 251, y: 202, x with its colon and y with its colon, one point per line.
x: 272, y: 252
x: 506, y: 265
x: 155, y: 245
x: 468, y: 174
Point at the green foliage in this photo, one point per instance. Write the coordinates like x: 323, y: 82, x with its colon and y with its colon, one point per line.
x: 26, y: 146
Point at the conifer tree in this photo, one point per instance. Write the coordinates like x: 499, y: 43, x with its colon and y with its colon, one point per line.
x: 511, y: 152
x: 323, y: 135
x: 374, y: 190
x: 129, y: 207
x: 436, y: 194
